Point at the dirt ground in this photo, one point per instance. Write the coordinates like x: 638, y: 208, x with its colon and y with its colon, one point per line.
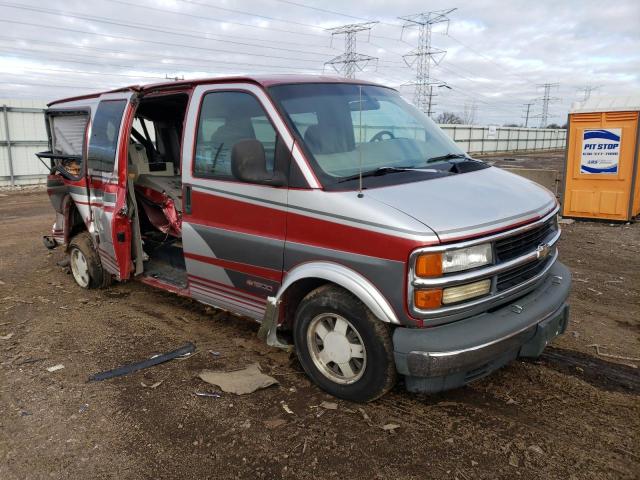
x: 574, y: 414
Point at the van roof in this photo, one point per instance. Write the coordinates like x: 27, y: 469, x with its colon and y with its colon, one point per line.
x: 262, y: 80
x: 630, y: 103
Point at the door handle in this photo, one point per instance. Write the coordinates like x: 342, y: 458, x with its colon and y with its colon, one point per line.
x: 187, y: 199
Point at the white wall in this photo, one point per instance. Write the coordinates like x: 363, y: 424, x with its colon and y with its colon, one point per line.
x: 478, y: 139
x: 28, y: 136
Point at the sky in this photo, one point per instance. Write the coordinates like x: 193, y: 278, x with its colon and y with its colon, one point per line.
x: 497, y: 52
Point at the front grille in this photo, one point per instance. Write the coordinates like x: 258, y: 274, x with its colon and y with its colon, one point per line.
x: 512, y: 247
x: 521, y: 273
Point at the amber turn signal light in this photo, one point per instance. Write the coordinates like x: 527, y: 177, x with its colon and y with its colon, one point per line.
x: 426, y: 299
x: 429, y: 265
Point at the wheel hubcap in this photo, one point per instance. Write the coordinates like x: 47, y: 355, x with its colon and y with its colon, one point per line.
x: 336, y: 348
x: 79, y: 268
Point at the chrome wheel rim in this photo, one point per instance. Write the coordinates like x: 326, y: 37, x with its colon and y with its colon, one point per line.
x: 336, y: 348
x: 79, y: 268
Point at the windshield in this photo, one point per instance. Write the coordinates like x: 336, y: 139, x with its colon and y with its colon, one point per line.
x: 347, y: 128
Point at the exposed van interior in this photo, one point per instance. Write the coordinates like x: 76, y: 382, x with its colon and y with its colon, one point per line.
x: 155, y: 179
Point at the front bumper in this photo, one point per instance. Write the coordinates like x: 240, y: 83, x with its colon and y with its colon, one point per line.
x: 452, y: 355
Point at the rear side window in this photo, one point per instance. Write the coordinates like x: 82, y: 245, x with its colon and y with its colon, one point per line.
x: 67, y: 133
x: 67, y: 139
x: 225, y: 119
x: 103, y: 144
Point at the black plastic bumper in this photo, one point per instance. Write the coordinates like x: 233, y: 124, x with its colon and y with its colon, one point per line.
x: 452, y: 355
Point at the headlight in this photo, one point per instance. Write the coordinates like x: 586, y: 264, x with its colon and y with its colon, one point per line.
x: 466, y: 292
x: 436, y: 297
x: 435, y: 264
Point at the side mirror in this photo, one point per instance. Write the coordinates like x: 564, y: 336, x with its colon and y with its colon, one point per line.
x: 249, y: 164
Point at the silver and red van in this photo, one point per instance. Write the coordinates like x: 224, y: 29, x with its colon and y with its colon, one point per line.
x: 330, y: 210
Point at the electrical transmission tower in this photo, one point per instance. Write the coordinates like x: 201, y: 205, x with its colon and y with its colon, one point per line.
x: 350, y: 60
x: 546, y: 99
x: 527, y: 107
x: 422, y: 57
x: 587, y: 90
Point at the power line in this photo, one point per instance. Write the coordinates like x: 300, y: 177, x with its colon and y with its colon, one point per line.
x: 217, y: 20
x: 350, y: 60
x: 152, y: 28
x: 424, y: 55
x: 154, y: 42
x: 488, y: 58
x: 200, y: 67
x: 251, y: 14
x: 334, y: 12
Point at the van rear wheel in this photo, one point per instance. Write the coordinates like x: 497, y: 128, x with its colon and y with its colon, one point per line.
x: 342, y: 346
x: 85, y: 264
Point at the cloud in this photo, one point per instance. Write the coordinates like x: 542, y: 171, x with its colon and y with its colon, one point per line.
x: 497, y: 52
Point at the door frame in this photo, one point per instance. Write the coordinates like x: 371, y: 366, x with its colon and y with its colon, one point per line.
x: 108, y: 195
x: 209, y: 276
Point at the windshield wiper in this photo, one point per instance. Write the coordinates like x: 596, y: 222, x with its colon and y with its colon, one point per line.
x: 376, y: 173
x: 448, y: 156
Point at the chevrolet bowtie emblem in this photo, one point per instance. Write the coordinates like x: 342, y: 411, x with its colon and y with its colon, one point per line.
x: 543, y: 250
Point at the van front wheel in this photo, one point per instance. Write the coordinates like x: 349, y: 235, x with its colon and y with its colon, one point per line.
x: 85, y: 264
x: 342, y: 346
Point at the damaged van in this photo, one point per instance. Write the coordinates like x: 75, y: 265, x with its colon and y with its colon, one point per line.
x: 330, y: 210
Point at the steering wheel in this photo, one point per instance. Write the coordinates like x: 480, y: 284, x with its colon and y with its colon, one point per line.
x: 378, y: 136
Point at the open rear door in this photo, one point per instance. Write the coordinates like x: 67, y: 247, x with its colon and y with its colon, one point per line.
x: 107, y: 175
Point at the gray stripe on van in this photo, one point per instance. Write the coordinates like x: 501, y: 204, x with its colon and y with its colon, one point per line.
x: 387, y: 275
x: 242, y: 247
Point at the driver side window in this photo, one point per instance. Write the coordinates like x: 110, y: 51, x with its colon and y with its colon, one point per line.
x: 225, y: 119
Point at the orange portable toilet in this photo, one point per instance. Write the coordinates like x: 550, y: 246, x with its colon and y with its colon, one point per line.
x: 601, y: 165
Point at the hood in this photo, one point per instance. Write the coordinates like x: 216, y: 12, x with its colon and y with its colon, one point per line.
x: 469, y: 204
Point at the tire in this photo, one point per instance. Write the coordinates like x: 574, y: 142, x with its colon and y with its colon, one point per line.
x: 360, y: 370
x: 85, y: 264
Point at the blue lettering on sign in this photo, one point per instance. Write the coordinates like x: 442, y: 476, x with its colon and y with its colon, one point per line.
x: 601, y: 146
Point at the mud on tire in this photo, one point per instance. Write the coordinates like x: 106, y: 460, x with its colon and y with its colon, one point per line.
x: 370, y: 375
x: 81, y: 247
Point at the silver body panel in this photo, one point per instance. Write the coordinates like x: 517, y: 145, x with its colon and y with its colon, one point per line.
x: 470, y: 204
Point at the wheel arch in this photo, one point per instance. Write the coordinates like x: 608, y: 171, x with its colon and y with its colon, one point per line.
x: 308, y: 276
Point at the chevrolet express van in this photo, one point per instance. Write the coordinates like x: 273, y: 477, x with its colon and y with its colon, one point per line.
x: 330, y: 210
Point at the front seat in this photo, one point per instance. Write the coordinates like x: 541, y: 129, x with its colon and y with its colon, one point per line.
x: 325, y: 139
x: 234, y: 130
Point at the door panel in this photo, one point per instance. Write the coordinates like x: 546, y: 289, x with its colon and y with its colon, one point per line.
x: 107, y: 177
x: 234, y: 232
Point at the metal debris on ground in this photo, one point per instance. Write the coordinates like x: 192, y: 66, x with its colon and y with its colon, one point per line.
x: 55, y: 368
x: 215, y: 354
x: 390, y: 427
x: 329, y: 405
x: 365, y: 415
x: 153, y: 385
x: 240, y: 382
x: 134, y: 367
x: 274, y: 423
x: 609, y: 355
x: 286, y: 408
x: 207, y: 394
